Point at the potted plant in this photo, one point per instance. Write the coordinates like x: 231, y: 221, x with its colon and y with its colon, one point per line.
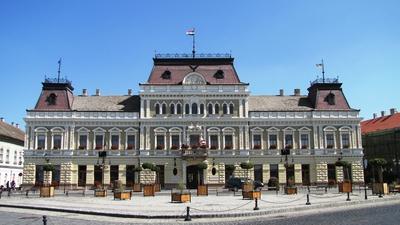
x: 304, y: 146
x: 202, y: 189
x: 272, y: 147
x: 130, y: 147
x: 273, y: 184
x: 228, y: 147
x: 180, y: 194
x: 288, y: 146
x: 160, y: 147
x: 329, y: 146
x: 344, y: 186
x: 137, y: 187
x: 149, y: 189
x: 248, y: 191
x: 120, y: 192
x: 290, y: 188
x: 81, y: 147
x: 47, y: 190
x: 213, y: 147
x: 114, y: 147
x: 174, y: 147
x: 99, y: 147
x: 379, y: 187
x: 184, y: 147
x: 257, y: 147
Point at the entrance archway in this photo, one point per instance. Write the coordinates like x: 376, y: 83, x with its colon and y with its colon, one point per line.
x: 192, y: 177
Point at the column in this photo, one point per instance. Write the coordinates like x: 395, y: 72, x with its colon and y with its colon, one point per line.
x: 315, y: 137
x: 141, y: 136
x: 148, y: 109
x: 148, y: 138
x: 353, y: 137
x: 122, y: 174
x: 72, y: 138
x: 359, y: 137
x: 106, y: 175
x: 142, y: 115
x: 322, y: 172
x: 321, y: 138
x: 183, y: 178
x: 246, y: 108
x: 240, y: 138
x: 246, y: 137
x: 282, y: 173
x: 240, y: 108
x: 89, y: 175
x: 266, y: 173
x: 298, y: 179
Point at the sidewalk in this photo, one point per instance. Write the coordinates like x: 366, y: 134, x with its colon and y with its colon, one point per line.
x: 201, y: 207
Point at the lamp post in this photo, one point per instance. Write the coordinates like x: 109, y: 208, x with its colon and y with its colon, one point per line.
x: 285, y: 152
x: 365, y: 165
x: 103, y: 156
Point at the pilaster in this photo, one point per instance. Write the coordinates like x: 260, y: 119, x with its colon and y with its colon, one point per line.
x: 282, y: 173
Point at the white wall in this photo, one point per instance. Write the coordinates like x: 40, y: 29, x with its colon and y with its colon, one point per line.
x: 10, y: 166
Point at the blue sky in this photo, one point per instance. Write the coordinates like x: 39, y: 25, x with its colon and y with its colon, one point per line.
x: 276, y: 44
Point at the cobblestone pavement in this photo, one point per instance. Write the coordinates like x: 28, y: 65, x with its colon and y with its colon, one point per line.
x: 372, y: 214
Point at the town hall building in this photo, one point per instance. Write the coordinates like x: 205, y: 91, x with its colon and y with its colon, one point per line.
x: 191, y: 110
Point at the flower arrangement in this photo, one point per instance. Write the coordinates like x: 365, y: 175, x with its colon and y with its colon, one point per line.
x: 257, y: 147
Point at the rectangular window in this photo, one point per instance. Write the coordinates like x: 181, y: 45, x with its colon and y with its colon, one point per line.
x: 213, y: 141
x: 99, y: 142
x: 273, y: 141
x: 130, y: 142
x: 8, y: 156
x: 304, y: 141
x: 41, y: 141
x: 1, y: 155
x: 160, y: 142
x: 174, y: 141
x: 57, y: 141
x: 194, y: 141
x: 345, y: 140
x: 228, y: 141
x: 256, y: 141
x: 289, y: 140
x: 114, y: 142
x: 274, y: 173
x: 330, y: 141
x: 83, y: 141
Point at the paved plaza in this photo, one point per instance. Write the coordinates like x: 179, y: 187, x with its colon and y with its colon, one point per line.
x: 226, y: 204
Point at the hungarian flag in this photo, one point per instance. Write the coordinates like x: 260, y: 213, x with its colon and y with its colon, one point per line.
x: 190, y: 32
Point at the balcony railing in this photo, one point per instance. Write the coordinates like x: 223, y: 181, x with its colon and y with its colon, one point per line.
x: 194, y: 152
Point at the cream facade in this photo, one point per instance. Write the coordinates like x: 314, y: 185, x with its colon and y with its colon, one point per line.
x: 191, y: 111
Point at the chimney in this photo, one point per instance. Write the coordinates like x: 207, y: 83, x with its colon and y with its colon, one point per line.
x: 97, y: 92
x: 129, y: 92
x: 296, y: 92
x: 281, y: 93
x: 84, y: 92
x: 393, y: 111
x: 375, y: 115
x: 382, y: 113
x: 17, y: 125
x: 2, y: 119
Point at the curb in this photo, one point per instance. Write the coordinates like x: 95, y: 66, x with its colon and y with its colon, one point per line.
x: 216, y: 215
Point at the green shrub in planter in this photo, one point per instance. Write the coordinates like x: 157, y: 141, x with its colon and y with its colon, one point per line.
x: 48, y: 167
x: 230, y: 168
x: 202, y: 166
x: 246, y: 165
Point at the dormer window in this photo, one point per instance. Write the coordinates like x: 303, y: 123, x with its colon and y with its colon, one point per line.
x: 330, y: 99
x: 219, y: 74
x: 51, y: 99
x: 166, y: 75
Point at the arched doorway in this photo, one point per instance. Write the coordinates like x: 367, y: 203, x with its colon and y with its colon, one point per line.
x: 192, y: 177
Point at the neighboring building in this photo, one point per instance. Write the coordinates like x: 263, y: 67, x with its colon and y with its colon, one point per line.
x: 201, y: 104
x: 11, y: 153
x: 381, y: 139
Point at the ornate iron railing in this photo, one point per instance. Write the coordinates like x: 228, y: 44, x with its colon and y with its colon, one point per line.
x: 188, y: 55
x: 325, y: 80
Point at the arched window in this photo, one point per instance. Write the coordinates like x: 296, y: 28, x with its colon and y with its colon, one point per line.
x: 231, y: 108
x: 157, y: 106
x: 179, y: 109
x: 164, y: 108
x: 187, y: 109
x: 210, y: 109
x: 224, y: 109
x: 194, y: 108
x: 201, y: 108
x: 216, y: 108
x: 172, y: 109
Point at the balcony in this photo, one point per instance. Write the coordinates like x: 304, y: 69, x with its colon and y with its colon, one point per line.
x: 194, y: 153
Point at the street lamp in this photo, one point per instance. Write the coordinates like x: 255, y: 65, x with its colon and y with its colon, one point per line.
x: 103, y: 156
x: 285, y: 152
x: 365, y: 165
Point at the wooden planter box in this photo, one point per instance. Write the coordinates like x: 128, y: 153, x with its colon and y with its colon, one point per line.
x: 100, y: 193
x: 137, y: 188
x: 202, y: 190
x: 181, y: 197
x: 123, y: 195
x: 149, y: 190
x: 157, y: 187
x: 290, y: 190
x: 47, y: 192
x: 380, y: 188
x: 247, y: 187
x: 345, y: 187
x: 251, y: 195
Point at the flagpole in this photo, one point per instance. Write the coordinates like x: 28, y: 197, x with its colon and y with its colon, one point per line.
x: 194, y: 49
x: 323, y: 71
x: 59, y: 70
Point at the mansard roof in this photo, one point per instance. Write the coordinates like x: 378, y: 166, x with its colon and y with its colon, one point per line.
x: 279, y: 103
x: 11, y: 134
x: 214, y: 70
x: 106, y: 103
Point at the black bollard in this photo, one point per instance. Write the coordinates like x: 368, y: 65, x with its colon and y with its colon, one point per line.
x: 308, y: 200
x: 256, y: 204
x: 44, y: 220
x: 188, y: 218
x: 348, y: 197
x: 365, y: 193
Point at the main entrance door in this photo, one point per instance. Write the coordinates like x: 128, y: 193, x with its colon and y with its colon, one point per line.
x: 191, y: 177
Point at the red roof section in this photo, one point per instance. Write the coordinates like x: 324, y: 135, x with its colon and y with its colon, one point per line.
x: 179, y: 68
x: 381, y: 123
x: 340, y: 100
x: 63, y: 101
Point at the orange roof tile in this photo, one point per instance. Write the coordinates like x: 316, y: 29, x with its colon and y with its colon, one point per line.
x: 381, y: 123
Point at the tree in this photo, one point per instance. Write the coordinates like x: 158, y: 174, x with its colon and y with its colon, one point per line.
x: 345, y: 166
x: 201, y: 167
x: 379, y: 163
x: 247, y: 166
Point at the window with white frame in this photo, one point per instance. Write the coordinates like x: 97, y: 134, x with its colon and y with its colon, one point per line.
x: 256, y: 141
x: 194, y: 108
x: 99, y: 141
x: 83, y: 139
x: 273, y: 141
x: 228, y: 140
x: 345, y: 140
x: 179, y: 108
x: 41, y: 141
x: 164, y: 108
x: 201, y: 109
x: 8, y: 156
x: 225, y: 109
x: 214, y: 143
x: 1, y: 155
x: 175, y: 141
x: 172, y: 109
x: 216, y: 108
x: 15, y: 158
x: 231, y: 108
x: 130, y: 141
x: 114, y: 141
x: 304, y: 141
x: 157, y: 108
x: 330, y: 140
x: 57, y: 139
x: 289, y: 141
x: 160, y: 144
x: 187, y: 109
